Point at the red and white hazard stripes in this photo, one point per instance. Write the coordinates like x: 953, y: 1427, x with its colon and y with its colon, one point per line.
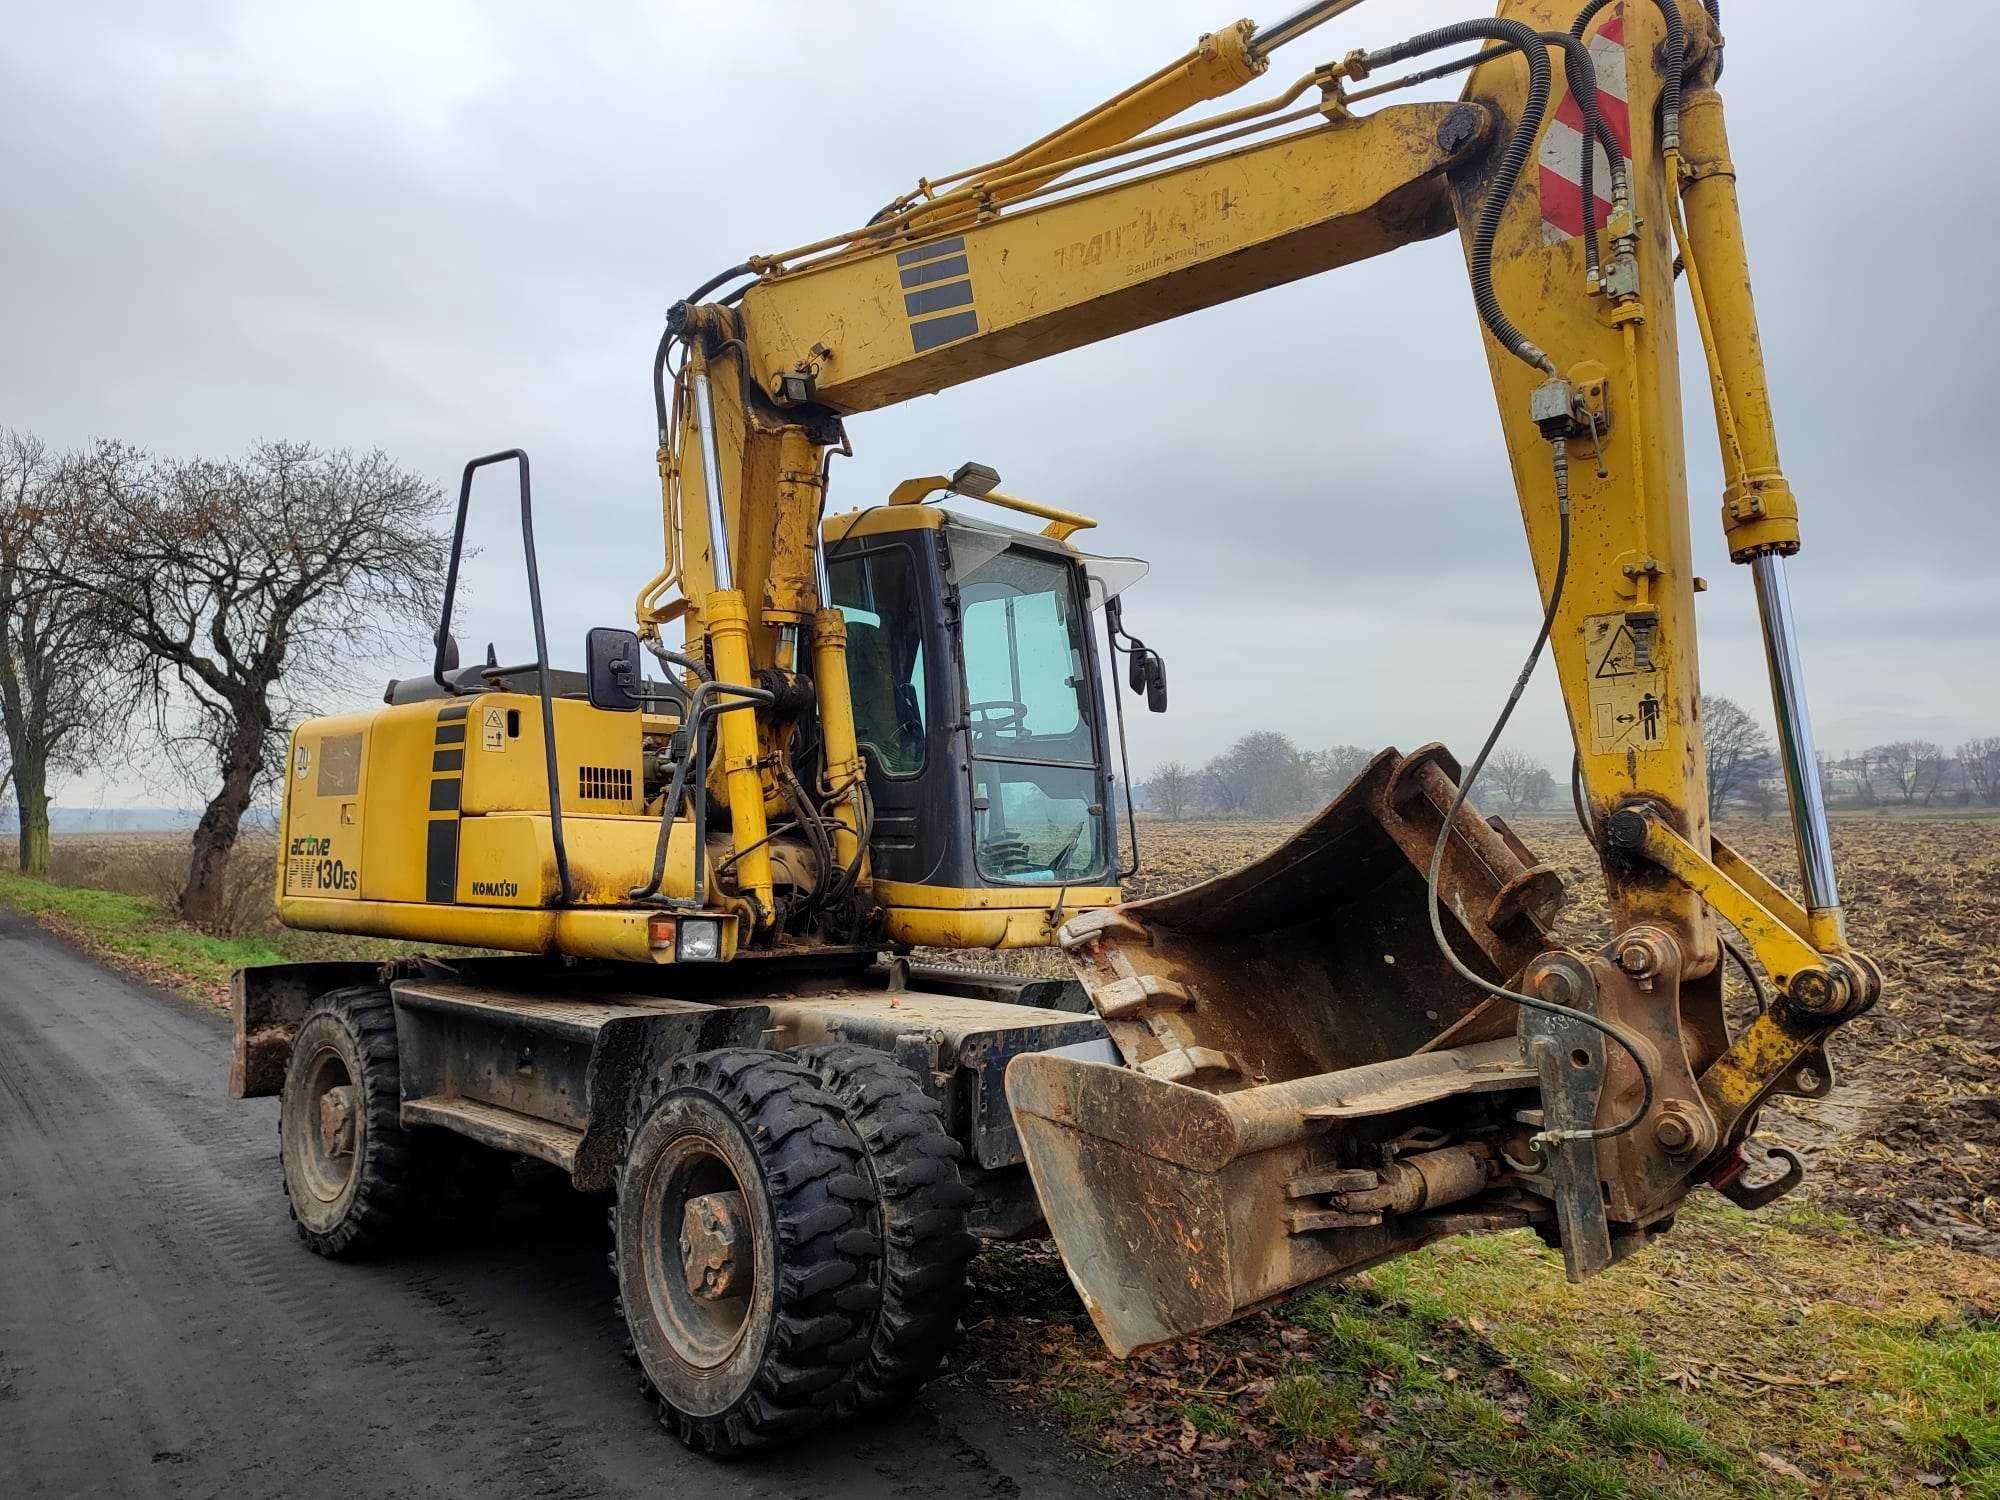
x: 1561, y: 156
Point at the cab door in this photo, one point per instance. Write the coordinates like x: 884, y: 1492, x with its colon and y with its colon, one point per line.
x: 887, y: 589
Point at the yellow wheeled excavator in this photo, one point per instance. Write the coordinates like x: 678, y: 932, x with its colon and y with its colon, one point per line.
x: 712, y: 888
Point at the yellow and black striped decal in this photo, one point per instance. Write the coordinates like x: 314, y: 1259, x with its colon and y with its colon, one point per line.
x: 936, y: 279
x: 447, y: 779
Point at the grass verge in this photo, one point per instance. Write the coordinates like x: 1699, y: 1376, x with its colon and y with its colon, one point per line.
x: 141, y: 934
x: 137, y: 933
x: 1781, y: 1355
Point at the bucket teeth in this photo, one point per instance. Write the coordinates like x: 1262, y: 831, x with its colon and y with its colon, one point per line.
x: 1123, y: 999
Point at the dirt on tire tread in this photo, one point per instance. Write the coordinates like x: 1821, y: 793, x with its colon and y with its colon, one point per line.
x: 819, y: 1188
x: 386, y: 1198
x: 926, y: 1245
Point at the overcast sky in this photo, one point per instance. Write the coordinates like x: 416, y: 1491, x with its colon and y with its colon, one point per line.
x: 444, y: 228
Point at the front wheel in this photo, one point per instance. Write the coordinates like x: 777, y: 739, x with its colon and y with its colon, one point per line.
x: 744, y: 1249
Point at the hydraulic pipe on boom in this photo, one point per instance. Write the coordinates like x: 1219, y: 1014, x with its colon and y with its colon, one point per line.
x: 1267, y: 38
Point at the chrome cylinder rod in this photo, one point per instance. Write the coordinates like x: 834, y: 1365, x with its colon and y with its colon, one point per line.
x: 711, y: 475
x: 1299, y: 23
x: 1795, y: 735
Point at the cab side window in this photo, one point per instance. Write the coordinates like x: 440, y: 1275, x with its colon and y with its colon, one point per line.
x: 877, y: 594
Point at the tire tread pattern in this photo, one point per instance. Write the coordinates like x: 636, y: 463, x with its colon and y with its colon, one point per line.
x: 388, y: 1196
x: 926, y: 1246
x: 819, y: 1191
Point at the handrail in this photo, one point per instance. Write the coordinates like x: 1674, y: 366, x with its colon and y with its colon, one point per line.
x: 567, y: 890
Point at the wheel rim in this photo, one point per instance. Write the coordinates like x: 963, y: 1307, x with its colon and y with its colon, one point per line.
x: 331, y: 1127
x: 699, y: 1251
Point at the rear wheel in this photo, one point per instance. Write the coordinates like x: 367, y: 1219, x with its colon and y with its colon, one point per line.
x: 350, y: 1170
x: 920, y: 1202
x: 743, y: 1245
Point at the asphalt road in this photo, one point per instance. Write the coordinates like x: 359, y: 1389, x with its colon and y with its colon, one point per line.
x: 163, y: 1332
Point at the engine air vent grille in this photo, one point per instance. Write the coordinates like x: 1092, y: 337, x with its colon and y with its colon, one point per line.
x: 604, y: 783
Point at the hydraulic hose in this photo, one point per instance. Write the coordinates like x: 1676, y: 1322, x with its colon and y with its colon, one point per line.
x: 1515, y: 997
x: 671, y: 332
x: 1583, y: 79
x: 671, y: 659
x: 1512, y: 160
x: 1580, y: 72
x: 1670, y: 93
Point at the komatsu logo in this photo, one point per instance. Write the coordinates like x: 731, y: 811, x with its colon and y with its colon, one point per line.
x: 495, y: 888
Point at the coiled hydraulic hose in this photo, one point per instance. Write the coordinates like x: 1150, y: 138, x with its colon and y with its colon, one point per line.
x: 1508, y: 175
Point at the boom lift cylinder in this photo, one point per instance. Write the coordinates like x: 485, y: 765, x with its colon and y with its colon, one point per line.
x: 727, y: 615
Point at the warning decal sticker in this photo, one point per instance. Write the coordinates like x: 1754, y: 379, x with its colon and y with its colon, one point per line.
x: 1627, y: 704
x: 1560, y: 159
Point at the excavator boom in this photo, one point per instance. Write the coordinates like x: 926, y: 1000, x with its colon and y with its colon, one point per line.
x: 1586, y: 169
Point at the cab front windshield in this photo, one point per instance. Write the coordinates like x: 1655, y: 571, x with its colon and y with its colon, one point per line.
x: 1038, y: 812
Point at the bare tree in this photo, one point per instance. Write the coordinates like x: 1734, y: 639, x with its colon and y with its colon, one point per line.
x: 1762, y: 795
x: 1262, y: 773
x: 1910, y: 767
x: 1171, y: 789
x: 57, y: 690
x: 1739, y: 751
x: 1220, y: 791
x: 1334, y: 767
x: 1980, y: 761
x: 244, y: 586
x: 1517, y: 776
x: 1861, y: 770
x: 1537, y: 789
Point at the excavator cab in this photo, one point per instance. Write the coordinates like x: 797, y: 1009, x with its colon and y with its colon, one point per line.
x: 980, y: 704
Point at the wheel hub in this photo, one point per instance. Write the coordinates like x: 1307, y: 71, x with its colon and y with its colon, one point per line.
x: 336, y: 1121
x: 716, y: 1246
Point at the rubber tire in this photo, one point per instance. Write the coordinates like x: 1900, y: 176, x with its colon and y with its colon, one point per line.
x: 384, y: 1196
x: 926, y: 1247
x: 805, y: 1328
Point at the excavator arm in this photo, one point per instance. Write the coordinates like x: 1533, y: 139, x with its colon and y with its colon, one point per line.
x: 1586, y: 168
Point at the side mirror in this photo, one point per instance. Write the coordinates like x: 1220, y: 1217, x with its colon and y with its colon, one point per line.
x: 1156, y: 682
x: 612, y: 668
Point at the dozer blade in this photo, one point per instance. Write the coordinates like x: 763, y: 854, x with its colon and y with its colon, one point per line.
x: 1300, y: 1063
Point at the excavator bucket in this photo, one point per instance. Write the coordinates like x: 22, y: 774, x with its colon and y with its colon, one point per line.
x: 1306, y: 1083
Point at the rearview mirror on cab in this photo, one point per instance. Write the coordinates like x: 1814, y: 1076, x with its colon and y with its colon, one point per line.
x: 612, y: 667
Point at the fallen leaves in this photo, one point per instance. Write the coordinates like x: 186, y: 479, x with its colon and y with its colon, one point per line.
x: 1784, y: 1468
